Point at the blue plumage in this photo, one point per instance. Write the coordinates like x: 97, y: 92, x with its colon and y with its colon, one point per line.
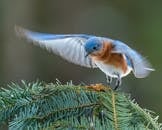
x: 47, y: 36
x: 93, y: 44
x: 74, y: 47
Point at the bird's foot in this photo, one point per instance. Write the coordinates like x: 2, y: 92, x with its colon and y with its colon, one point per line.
x: 108, y: 79
x: 118, y: 83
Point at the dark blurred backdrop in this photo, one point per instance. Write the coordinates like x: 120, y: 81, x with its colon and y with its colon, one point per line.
x: 138, y: 23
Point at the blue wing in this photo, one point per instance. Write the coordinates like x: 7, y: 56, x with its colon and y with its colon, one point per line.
x: 141, y: 67
x: 69, y: 47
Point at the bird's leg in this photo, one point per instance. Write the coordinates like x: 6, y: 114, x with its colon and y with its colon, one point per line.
x: 108, y: 79
x: 118, y: 82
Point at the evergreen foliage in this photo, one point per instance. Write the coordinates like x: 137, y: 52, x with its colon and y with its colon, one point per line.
x: 44, y: 106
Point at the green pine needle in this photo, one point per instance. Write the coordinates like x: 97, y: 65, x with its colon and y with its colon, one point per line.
x: 68, y: 107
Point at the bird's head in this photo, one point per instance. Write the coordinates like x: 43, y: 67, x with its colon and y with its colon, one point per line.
x: 93, y: 45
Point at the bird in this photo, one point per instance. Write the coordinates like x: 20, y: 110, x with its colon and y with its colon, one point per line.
x: 113, y: 57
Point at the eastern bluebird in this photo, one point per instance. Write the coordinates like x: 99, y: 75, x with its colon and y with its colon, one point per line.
x: 113, y: 57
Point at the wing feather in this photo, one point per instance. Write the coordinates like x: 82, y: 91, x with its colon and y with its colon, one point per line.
x: 69, y: 47
x: 141, y: 67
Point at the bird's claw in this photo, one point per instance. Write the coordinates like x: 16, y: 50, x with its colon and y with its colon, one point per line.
x: 108, y: 79
x: 118, y: 83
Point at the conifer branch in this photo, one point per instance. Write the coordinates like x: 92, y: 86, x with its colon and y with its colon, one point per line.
x: 55, y: 106
x: 114, y: 111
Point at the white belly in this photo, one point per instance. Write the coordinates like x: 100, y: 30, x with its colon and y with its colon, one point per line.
x: 111, y: 70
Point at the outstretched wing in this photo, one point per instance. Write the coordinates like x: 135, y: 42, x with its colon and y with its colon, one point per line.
x: 69, y: 47
x: 141, y: 67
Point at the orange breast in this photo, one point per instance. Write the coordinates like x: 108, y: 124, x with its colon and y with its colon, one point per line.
x: 118, y: 61
x: 107, y: 57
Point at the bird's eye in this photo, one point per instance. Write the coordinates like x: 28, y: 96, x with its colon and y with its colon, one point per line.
x: 94, y: 48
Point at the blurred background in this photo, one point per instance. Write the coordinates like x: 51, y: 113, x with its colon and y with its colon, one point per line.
x: 137, y: 23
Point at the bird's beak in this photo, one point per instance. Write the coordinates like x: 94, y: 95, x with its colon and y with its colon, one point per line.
x: 87, y: 54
